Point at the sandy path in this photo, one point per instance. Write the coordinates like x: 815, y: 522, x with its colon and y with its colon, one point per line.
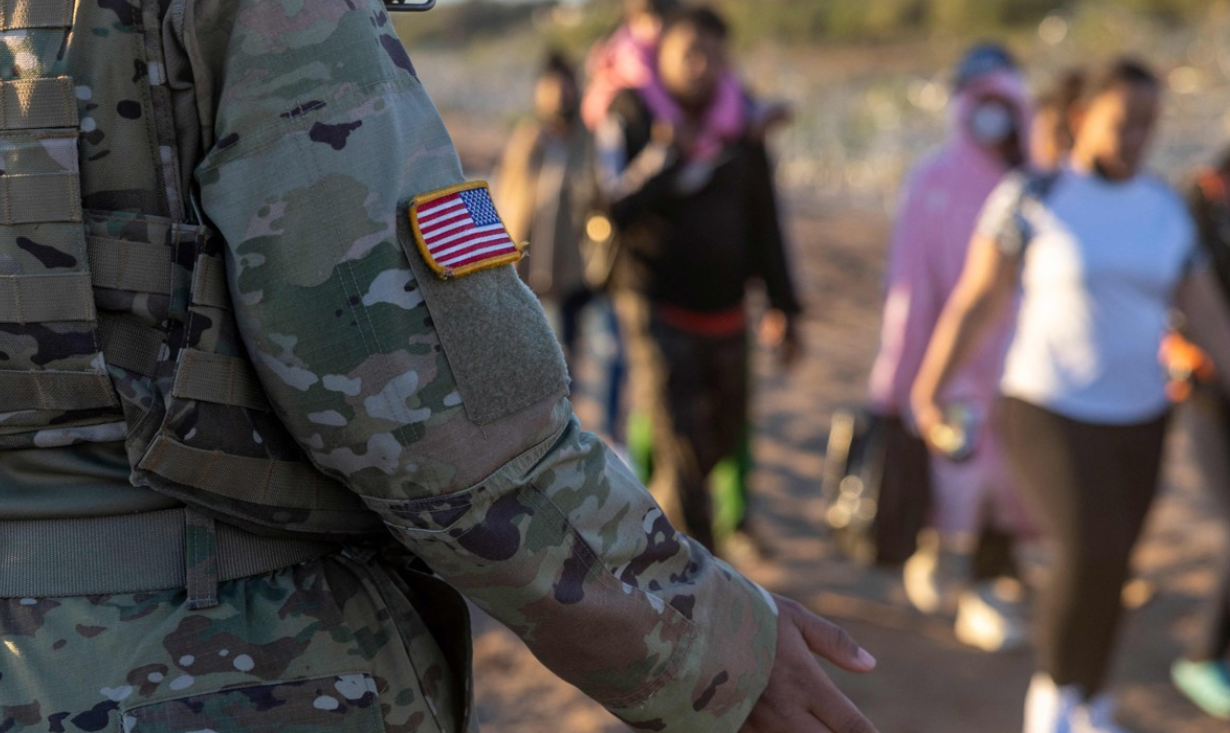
x: 926, y: 683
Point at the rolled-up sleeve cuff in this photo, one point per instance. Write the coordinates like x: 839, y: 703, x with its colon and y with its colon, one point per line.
x: 723, y: 671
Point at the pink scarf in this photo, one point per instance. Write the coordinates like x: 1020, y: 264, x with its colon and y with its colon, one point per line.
x: 724, y: 122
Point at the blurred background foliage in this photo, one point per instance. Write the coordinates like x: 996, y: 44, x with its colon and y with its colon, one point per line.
x: 791, y: 21
x: 868, y: 79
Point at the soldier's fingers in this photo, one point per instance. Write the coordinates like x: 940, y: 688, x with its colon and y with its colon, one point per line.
x: 799, y: 720
x: 832, y: 642
x: 833, y: 709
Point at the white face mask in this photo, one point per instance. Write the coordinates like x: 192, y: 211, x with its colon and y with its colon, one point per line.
x: 992, y: 122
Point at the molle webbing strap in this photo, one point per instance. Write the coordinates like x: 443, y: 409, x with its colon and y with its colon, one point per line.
x: 55, y: 391
x: 40, y: 197
x: 200, y: 559
x: 286, y: 484
x: 129, y: 554
x: 130, y: 345
x: 46, y: 298
x: 209, y: 283
x: 222, y: 380
x: 134, y: 266
x: 27, y: 104
x: 17, y: 15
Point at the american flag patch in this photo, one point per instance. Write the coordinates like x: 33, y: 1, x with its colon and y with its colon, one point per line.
x: 459, y: 232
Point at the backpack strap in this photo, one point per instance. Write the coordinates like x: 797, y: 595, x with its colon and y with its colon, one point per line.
x: 1035, y: 189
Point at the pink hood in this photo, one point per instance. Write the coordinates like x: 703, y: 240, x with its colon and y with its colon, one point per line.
x: 622, y: 62
x: 939, y: 210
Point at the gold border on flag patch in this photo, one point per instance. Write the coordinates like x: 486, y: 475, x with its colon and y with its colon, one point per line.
x: 459, y: 232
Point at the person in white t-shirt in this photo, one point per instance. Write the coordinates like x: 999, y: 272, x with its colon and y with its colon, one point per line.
x: 1100, y: 253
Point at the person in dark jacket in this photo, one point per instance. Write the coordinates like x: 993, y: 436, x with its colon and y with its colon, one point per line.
x: 692, y: 198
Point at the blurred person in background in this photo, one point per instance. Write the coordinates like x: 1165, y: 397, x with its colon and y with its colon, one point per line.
x: 967, y: 561
x: 627, y: 59
x: 1050, y: 144
x: 1050, y: 136
x: 545, y: 193
x: 693, y: 199
x: 547, y: 189
x: 1203, y: 674
x: 1100, y: 252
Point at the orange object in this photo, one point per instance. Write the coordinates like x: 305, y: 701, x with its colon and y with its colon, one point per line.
x: 1186, y: 364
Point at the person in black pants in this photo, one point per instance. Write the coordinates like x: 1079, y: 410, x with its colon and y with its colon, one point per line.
x: 694, y: 205
x: 1100, y: 254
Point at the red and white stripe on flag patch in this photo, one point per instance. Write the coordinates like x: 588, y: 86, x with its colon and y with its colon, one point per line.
x: 459, y: 231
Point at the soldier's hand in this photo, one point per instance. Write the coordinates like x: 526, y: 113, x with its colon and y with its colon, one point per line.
x: 800, y: 697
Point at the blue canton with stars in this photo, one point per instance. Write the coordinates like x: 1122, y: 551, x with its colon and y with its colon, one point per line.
x: 482, y: 210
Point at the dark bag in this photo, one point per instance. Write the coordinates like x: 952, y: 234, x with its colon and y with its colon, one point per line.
x: 877, y: 487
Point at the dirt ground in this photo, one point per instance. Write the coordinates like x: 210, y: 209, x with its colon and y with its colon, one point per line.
x: 926, y: 682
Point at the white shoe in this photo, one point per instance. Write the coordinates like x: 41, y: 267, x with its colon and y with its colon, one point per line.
x: 1096, y: 716
x: 933, y: 575
x: 1048, y: 708
x: 991, y: 616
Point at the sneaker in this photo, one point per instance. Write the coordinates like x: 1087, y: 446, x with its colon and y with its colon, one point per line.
x: 1096, y: 716
x: 1049, y: 708
x: 1206, y: 684
x: 933, y: 575
x: 991, y: 616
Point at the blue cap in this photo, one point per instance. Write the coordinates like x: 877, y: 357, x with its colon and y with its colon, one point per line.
x: 981, y: 60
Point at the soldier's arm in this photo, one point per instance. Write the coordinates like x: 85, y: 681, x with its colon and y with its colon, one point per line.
x: 443, y: 403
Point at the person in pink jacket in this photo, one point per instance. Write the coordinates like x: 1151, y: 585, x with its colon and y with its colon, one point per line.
x: 976, y: 514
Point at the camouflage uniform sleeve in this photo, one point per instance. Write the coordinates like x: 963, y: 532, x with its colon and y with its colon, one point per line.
x: 442, y: 404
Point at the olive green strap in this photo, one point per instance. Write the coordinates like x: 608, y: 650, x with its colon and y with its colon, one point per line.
x: 130, y: 345
x: 222, y: 380
x: 27, y: 104
x: 285, y: 484
x: 209, y: 283
x: 129, y: 554
x: 46, y: 298
x: 20, y: 390
x: 40, y: 197
x: 17, y: 15
x: 135, y: 266
x: 200, y: 559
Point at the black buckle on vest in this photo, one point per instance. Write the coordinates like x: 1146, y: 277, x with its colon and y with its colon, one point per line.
x: 409, y: 6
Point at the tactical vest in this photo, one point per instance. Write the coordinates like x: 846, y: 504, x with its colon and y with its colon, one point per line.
x: 115, y: 316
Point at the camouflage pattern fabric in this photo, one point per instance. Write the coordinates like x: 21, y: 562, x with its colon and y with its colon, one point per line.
x: 442, y: 405
x: 325, y: 646
x: 371, y: 363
